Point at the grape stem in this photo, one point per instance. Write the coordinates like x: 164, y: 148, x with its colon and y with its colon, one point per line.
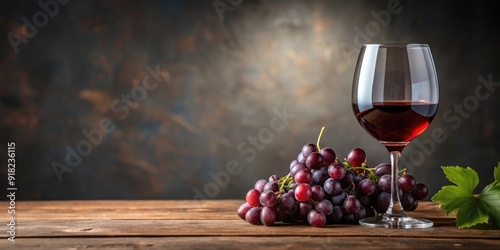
x: 285, y: 181
x: 363, y: 167
x: 319, y: 138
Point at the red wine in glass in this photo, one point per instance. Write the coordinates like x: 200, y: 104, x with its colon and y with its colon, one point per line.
x: 395, y: 97
x: 396, y: 121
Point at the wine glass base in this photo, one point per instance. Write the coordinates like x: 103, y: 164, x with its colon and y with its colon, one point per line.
x: 404, y: 222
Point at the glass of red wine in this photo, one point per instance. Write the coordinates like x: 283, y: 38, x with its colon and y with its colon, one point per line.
x: 395, y: 96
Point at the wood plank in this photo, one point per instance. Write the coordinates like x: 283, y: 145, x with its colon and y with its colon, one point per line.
x: 280, y: 242
x: 108, y: 228
x: 155, y: 210
x: 125, y: 209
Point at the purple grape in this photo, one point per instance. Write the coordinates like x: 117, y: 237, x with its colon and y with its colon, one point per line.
x: 359, y: 178
x: 332, y: 186
x: 243, y: 209
x: 259, y: 185
x: 407, y: 182
x: 325, y: 206
x: 346, y: 182
x: 293, y: 163
x: 328, y: 155
x: 407, y: 201
x: 317, y: 193
x: 273, y: 186
x: 316, y: 218
x: 268, y: 198
x: 273, y: 178
x: 382, y: 169
x: 365, y: 200
x: 314, y: 160
x: 366, y: 187
x: 267, y: 216
x: 286, y: 201
x: 304, y: 208
x: 336, y: 215
x: 351, y: 204
x: 253, y: 215
x: 369, y: 213
x: 360, y: 214
x: 338, y: 199
x: 420, y: 191
x: 348, y: 219
x: 384, y: 183
x: 336, y: 171
x: 383, y: 201
x: 414, y: 205
x: 293, y: 214
x: 308, y: 149
x: 301, y: 158
x: 320, y: 176
x: 280, y: 214
x: 296, y: 168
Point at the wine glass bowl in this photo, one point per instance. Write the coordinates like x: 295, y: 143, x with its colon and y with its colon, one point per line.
x: 395, y: 97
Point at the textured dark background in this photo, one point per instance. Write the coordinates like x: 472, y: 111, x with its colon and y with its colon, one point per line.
x: 221, y: 82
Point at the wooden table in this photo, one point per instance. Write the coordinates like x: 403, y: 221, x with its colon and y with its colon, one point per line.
x: 214, y: 225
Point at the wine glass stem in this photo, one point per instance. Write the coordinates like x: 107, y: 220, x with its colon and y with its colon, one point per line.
x: 395, y: 209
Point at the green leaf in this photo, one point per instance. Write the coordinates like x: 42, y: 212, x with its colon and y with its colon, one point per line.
x: 460, y: 197
x: 451, y: 198
x: 490, y: 198
x: 496, y: 172
x: 471, y: 212
x: 466, y: 178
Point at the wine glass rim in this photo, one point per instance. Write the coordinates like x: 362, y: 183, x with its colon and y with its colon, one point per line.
x: 401, y: 45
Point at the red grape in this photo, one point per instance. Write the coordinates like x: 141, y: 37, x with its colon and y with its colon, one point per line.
x: 304, y: 176
x: 356, y: 157
x: 303, y: 192
x: 252, y: 197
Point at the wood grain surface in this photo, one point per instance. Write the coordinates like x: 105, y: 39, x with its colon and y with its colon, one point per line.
x: 214, y: 224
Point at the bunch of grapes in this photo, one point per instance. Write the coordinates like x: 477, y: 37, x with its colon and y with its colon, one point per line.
x: 320, y: 189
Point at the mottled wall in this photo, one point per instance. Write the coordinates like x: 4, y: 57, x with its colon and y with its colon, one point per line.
x: 220, y: 83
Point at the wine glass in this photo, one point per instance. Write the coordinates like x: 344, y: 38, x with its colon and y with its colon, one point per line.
x: 395, y: 96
